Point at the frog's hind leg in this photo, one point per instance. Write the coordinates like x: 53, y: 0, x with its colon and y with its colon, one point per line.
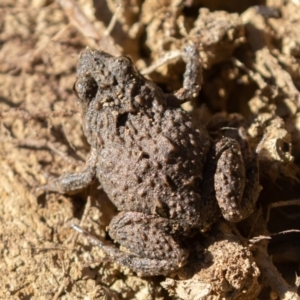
x: 156, y: 252
x: 236, y: 185
x: 152, y: 251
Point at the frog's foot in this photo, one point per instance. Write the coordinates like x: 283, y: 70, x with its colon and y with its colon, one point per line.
x: 236, y: 185
x: 152, y: 251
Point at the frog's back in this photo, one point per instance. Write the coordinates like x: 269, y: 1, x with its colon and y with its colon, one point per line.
x: 154, y: 163
x: 150, y: 155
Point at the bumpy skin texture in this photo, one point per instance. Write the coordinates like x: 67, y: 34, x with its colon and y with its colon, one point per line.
x: 155, y: 163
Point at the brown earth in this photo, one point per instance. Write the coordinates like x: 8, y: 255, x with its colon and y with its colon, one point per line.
x: 251, y: 60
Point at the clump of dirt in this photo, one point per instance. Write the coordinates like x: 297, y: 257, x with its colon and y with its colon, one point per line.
x: 251, y: 61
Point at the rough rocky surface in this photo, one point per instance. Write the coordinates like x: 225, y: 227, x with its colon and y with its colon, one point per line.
x: 250, y: 58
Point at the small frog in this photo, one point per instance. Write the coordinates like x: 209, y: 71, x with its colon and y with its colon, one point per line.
x: 157, y: 164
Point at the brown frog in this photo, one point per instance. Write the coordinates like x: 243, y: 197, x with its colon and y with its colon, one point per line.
x: 157, y: 164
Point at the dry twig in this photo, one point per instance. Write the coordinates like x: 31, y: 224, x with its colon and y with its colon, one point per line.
x: 96, y: 38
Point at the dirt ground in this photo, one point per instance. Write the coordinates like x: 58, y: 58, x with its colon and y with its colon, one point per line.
x: 250, y: 52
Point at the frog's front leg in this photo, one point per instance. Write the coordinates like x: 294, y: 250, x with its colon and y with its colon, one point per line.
x: 152, y: 250
x: 236, y: 185
x: 74, y: 182
x: 193, y: 78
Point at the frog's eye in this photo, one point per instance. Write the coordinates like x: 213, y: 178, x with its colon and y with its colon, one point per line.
x: 86, y: 89
x: 124, y: 63
x: 124, y: 59
x: 123, y: 69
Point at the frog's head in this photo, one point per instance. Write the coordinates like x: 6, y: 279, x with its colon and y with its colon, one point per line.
x: 106, y: 81
x: 110, y: 88
x: 109, y: 82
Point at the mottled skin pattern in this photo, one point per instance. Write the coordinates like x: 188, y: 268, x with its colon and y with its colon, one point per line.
x: 155, y: 162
